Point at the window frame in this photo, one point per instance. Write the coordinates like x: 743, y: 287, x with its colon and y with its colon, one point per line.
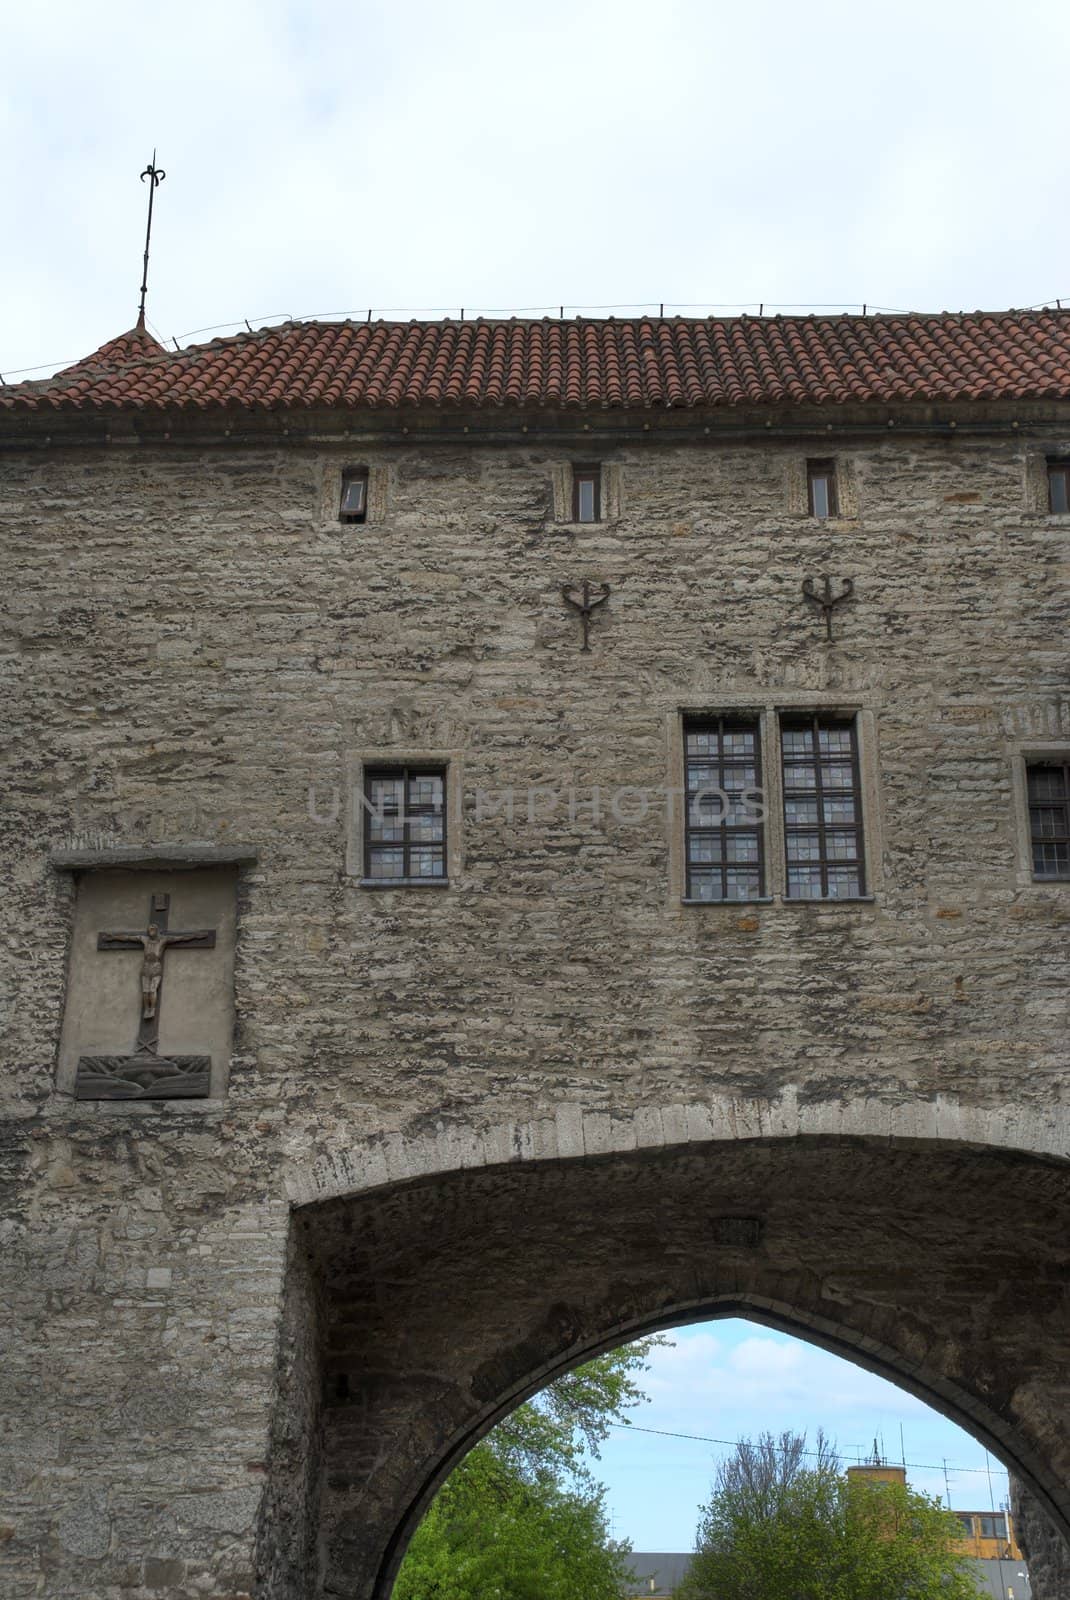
x: 1058, y: 467
x: 587, y: 472
x: 405, y: 771
x: 823, y: 467
x: 768, y: 712
x: 1050, y: 762
x: 722, y: 722
x: 352, y: 475
x: 813, y: 721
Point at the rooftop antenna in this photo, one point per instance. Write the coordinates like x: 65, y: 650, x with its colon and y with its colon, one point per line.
x: 155, y: 175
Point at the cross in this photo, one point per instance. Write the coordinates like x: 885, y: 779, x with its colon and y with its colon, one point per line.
x: 154, y: 944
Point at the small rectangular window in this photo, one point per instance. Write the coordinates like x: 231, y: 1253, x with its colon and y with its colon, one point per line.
x: 586, y: 494
x: 821, y: 488
x: 354, y: 504
x: 404, y: 824
x: 822, y: 807
x: 1059, y: 488
x: 723, y: 809
x: 1048, y: 784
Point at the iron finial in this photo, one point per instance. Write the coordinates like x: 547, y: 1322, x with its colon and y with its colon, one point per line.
x: 156, y: 175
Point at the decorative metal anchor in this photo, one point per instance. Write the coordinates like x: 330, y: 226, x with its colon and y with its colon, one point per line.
x: 826, y: 601
x: 156, y: 175
x: 585, y: 606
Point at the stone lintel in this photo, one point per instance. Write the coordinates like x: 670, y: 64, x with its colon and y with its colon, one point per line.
x: 154, y: 858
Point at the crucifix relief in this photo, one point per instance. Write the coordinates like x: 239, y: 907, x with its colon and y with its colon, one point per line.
x: 146, y: 1073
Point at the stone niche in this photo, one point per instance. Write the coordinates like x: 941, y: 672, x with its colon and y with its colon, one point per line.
x: 150, y: 1021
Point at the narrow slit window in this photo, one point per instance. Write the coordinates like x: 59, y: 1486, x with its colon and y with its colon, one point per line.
x: 821, y: 488
x: 404, y: 824
x: 822, y: 808
x: 1059, y: 488
x: 724, y: 836
x: 586, y: 494
x: 1049, y: 817
x: 354, y: 503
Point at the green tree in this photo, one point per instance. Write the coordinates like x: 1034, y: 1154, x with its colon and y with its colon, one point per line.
x: 783, y: 1523
x: 521, y: 1517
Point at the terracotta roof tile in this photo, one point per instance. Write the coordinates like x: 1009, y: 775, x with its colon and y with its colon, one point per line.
x: 633, y: 363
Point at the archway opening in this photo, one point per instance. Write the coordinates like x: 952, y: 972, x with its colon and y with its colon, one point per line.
x: 654, y: 1423
x: 422, y: 1312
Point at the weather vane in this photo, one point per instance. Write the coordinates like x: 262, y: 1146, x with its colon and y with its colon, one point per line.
x: 155, y: 175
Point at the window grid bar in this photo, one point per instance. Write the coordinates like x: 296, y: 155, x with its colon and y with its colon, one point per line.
x: 724, y: 764
x: 409, y: 810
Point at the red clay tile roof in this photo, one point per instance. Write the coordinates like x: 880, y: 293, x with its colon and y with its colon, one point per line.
x: 125, y: 347
x: 630, y: 363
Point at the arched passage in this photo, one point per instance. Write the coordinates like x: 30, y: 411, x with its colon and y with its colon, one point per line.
x: 421, y: 1311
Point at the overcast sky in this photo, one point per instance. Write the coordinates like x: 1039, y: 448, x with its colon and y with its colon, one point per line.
x: 324, y: 157
x: 732, y: 1379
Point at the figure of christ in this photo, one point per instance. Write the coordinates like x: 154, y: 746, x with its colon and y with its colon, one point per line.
x: 154, y: 944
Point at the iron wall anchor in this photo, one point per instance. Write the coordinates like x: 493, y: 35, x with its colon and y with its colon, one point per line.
x: 586, y: 605
x: 826, y: 601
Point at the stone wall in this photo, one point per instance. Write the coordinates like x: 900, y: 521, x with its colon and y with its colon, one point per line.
x: 1045, y: 1549
x: 197, y: 650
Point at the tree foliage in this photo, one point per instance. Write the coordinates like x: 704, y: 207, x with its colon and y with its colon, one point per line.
x: 521, y: 1517
x: 783, y: 1523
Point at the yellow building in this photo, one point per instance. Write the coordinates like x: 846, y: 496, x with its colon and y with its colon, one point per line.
x: 986, y: 1535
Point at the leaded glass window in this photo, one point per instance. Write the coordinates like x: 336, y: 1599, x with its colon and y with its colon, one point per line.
x: 404, y: 824
x: 1049, y: 817
x: 723, y: 826
x: 822, y: 808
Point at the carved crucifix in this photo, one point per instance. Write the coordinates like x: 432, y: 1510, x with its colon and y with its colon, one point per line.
x: 145, y: 1074
x: 154, y: 944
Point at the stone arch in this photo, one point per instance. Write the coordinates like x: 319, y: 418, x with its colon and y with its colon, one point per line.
x: 439, y: 1279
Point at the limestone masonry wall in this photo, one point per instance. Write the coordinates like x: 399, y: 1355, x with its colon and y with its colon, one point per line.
x: 196, y: 650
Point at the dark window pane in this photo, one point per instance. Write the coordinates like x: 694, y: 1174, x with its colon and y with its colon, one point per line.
x: 386, y: 863
x: 1051, y: 860
x: 1059, y: 489
x: 844, y: 884
x: 821, y: 484
x: 705, y: 847
x: 586, y: 494
x: 804, y: 883
x: 354, y: 504
x: 797, y: 811
x: 1047, y: 783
